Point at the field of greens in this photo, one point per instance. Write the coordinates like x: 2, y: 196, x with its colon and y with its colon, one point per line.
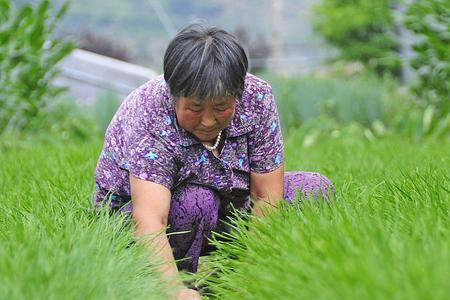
x: 383, y: 141
x: 385, y: 235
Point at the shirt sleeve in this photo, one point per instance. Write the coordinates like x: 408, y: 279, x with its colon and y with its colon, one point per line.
x: 266, y: 150
x: 148, y: 155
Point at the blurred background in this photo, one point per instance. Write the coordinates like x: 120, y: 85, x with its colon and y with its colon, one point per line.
x: 339, y: 68
x: 139, y: 31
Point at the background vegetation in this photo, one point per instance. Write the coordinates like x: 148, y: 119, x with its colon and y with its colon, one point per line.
x: 144, y: 27
x: 28, y: 55
x: 430, y: 20
x: 362, y: 30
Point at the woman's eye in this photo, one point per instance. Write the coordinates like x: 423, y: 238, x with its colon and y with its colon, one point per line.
x: 195, y: 110
x: 221, y: 108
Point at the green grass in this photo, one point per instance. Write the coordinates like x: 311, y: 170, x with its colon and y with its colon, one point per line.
x: 52, y: 246
x: 386, y: 234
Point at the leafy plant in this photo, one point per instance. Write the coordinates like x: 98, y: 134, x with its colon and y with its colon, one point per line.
x: 29, y: 54
x: 430, y: 20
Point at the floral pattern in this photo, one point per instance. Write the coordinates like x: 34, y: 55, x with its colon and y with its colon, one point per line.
x: 144, y: 139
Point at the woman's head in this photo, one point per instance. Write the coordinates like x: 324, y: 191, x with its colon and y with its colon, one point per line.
x: 205, y: 62
x: 205, y: 69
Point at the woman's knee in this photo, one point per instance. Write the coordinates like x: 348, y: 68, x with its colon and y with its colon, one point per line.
x: 308, y: 184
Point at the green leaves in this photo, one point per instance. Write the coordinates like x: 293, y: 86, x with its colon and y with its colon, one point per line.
x: 4, y: 9
x: 29, y: 54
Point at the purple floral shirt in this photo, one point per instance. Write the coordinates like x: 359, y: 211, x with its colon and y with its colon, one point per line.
x: 144, y: 139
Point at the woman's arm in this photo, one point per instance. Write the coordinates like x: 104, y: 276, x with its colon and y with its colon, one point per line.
x: 151, y: 204
x: 267, y: 189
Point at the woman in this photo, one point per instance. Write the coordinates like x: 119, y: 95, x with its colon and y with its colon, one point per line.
x: 187, y: 147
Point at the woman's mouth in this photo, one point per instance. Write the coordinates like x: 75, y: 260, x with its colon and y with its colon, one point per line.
x: 208, y: 132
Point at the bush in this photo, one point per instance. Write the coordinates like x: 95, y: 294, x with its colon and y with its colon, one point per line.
x: 363, y: 30
x: 430, y: 20
x: 28, y: 57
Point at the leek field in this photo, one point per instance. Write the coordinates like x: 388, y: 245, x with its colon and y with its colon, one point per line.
x: 382, y: 137
x: 385, y: 235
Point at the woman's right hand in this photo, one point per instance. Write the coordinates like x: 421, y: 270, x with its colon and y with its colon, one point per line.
x: 187, y: 294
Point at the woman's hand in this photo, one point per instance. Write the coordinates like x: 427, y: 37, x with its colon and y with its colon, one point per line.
x: 187, y: 294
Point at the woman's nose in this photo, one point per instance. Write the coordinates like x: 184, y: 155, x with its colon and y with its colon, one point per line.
x: 208, y: 120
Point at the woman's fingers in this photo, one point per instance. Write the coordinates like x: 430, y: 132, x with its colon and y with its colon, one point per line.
x: 188, y: 294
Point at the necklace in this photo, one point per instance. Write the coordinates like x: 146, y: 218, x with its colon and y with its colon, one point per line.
x: 216, y: 144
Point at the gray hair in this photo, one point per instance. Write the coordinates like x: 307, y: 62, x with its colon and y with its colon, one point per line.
x: 205, y: 62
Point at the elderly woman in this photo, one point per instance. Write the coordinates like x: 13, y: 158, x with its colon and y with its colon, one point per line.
x: 188, y: 146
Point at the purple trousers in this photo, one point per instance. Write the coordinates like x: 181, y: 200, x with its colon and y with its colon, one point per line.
x: 200, y: 210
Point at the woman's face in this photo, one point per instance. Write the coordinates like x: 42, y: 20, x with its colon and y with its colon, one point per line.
x: 205, y: 119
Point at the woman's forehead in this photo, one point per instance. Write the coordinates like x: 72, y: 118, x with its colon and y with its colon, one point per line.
x: 215, y: 100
